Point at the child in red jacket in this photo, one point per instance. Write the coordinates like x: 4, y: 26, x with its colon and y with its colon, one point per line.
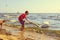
x: 21, y: 19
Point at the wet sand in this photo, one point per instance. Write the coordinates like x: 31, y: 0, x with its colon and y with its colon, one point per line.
x: 15, y: 34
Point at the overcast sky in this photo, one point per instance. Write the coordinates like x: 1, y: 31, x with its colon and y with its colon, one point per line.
x: 33, y: 6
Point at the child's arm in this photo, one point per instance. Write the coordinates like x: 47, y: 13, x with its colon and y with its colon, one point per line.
x: 27, y: 19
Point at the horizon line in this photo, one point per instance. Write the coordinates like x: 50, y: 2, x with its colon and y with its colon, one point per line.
x: 37, y: 12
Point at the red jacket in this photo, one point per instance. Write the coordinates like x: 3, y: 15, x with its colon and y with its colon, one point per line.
x: 22, y: 16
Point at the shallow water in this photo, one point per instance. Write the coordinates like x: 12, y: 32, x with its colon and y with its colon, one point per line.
x: 52, y: 18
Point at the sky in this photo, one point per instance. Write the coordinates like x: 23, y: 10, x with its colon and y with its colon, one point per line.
x: 33, y: 6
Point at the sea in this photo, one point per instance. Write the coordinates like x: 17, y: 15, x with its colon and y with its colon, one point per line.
x: 38, y: 18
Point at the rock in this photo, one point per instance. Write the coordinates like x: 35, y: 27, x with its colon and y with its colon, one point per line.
x: 44, y: 26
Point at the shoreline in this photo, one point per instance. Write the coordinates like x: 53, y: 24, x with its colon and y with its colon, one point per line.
x: 38, y: 30
x: 31, y: 32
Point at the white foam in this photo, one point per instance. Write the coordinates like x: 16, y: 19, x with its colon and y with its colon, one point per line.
x: 13, y: 20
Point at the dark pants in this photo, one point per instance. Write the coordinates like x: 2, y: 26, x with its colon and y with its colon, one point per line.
x: 22, y: 24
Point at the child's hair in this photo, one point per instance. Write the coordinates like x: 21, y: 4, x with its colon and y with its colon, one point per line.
x: 26, y: 11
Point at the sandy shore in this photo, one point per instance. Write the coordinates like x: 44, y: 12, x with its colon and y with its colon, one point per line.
x: 15, y: 34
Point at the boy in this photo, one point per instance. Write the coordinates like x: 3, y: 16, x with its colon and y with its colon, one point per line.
x: 22, y: 21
